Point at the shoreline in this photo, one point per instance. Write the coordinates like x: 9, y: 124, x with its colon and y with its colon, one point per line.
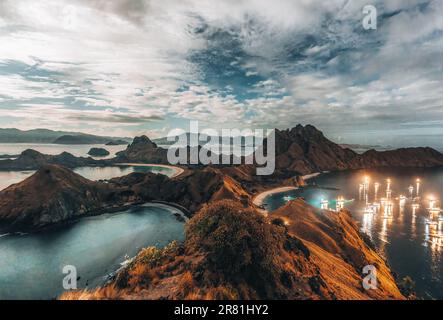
x: 259, y: 198
x: 178, y: 171
x: 117, y: 209
x: 312, y: 175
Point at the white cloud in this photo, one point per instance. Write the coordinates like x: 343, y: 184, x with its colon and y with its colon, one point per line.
x: 132, y: 57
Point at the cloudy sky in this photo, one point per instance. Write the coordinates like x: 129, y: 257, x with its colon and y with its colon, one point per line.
x: 126, y: 67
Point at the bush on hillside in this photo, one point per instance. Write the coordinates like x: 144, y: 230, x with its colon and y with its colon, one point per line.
x: 238, y: 244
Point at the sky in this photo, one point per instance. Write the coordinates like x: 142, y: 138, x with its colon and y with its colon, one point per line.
x: 130, y: 67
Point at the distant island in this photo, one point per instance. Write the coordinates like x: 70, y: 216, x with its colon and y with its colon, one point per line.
x: 12, y: 135
x: 117, y: 142
x: 80, y: 139
x: 98, y: 152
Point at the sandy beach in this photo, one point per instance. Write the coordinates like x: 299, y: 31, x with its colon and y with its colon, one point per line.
x: 178, y: 170
x: 258, y: 199
x: 312, y: 175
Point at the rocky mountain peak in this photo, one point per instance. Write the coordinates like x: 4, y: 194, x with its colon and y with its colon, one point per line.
x: 30, y: 153
x: 52, y: 194
x: 143, y: 141
x: 142, y: 149
x: 51, y: 174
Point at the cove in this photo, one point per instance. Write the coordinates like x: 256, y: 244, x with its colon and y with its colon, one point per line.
x: 31, y: 265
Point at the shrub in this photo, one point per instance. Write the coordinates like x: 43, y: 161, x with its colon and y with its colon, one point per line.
x: 154, y: 257
x: 141, y: 271
x: 239, y: 245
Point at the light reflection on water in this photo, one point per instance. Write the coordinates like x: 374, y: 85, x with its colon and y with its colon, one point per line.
x: 367, y: 224
x: 396, y: 218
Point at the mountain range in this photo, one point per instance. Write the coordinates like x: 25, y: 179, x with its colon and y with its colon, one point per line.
x: 49, y: 136
x: 304, y: 149
x: 298, y: 151
x: 297, y: 252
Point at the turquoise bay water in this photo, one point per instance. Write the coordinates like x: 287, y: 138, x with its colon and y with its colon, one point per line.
x: 412, y: 246
x: 31, y: 265
x: 93, y: 173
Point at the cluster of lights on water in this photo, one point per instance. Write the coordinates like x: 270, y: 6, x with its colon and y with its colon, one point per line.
x: 400, y: 212
x: 386, y: 202
x: 383, y: 202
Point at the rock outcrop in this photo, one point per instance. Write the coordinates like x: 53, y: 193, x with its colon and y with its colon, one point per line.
x: 98, y: 152
x: 143, y: 150
x: 305, y: 150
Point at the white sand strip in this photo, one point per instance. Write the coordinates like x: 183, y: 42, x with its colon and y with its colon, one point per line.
x: 313, y: 175
x: 258, y: 199
x: 310, y: 176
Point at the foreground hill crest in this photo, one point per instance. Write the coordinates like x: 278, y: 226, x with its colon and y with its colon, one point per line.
x: 232, y: 252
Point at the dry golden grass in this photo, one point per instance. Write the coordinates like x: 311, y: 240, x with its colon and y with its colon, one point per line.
x: 186, y: 284
x: 232, y: 252
x: 107, y: 293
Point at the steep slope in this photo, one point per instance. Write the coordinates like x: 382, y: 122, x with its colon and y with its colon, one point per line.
x: 232, y: 252
x: 232, y: 190
x: 98, y: 152
x: 338, y: 250
x: 195, y: 188
x: 53, y: 194
x: 304, y: 149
